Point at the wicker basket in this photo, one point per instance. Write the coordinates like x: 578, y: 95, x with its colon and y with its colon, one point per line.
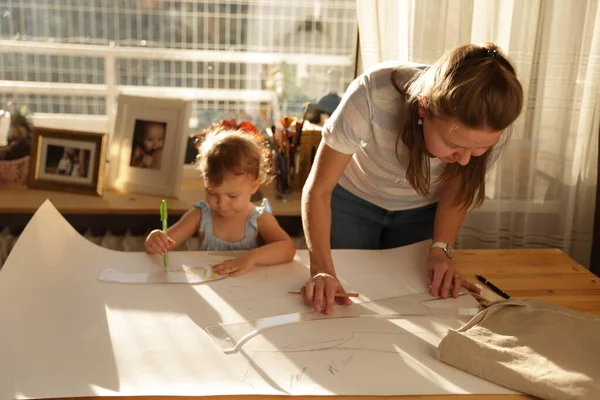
x: 14, y: 173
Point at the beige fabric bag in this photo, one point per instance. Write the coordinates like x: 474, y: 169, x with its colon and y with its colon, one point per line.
x: 530, y: 346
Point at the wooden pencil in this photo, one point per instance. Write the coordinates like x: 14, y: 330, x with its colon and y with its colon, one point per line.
x: 336, y: 295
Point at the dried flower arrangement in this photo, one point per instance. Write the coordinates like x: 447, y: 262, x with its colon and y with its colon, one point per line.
x: 19, y: 135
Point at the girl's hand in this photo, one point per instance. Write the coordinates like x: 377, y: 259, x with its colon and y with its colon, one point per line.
x: 158, y: 243
x: 235, y: 267
x: 443, y: 279
x: 147, y: 161
x: 321, y: 289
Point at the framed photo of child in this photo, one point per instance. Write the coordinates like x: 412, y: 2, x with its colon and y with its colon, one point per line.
x: 148, y: 145
x: 72, y: 161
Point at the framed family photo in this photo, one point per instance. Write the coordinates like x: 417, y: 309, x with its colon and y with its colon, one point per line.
x: 148, y: 145
x: 70, y: 161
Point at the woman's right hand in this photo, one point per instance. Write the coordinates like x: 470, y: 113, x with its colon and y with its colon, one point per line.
x: 320, y: 292
x: 158, y: 242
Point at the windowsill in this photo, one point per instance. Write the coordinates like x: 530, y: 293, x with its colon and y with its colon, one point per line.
x: 24, y: 200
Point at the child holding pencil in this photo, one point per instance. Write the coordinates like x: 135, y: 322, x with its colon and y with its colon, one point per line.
x: 233, y: 165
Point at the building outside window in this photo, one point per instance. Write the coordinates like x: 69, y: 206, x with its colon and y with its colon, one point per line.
x: 256, y: 60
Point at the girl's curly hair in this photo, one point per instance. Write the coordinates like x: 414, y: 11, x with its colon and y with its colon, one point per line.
x: 226, y: 149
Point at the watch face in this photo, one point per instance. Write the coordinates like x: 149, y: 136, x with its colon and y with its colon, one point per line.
x: 449, y: 250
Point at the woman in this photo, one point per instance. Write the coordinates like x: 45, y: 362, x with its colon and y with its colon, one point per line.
x: 402, y: 159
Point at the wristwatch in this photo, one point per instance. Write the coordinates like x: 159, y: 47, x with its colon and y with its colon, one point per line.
x: 447, y: 247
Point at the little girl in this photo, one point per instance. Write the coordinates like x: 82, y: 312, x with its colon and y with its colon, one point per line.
x: 233, y: 165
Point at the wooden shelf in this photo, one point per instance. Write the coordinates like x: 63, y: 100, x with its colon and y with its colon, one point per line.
x: 27, y: 201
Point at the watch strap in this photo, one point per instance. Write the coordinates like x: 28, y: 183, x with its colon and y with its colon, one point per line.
x: 444, y: 246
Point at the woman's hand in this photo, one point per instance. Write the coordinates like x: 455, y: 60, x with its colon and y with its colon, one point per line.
x: 320, y: 291
x: 158, y: 243
x: 235, y: 267
x: 443, y: 279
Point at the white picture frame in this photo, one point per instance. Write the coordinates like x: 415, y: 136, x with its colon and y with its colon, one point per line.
x: 139, y: 161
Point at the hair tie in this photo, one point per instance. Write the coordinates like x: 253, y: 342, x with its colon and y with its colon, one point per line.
x: 492, y: 53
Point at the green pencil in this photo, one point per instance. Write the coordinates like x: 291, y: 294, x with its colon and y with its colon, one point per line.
x: 163, y: 218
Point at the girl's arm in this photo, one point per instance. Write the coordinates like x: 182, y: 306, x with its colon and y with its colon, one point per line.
x: 186, y: 227
x: 278, y: 248
x: 157, y: 158
x: 135, y: 157
x: 159, y: 243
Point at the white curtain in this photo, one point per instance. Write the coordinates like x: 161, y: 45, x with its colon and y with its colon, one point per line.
x: 542, y: 193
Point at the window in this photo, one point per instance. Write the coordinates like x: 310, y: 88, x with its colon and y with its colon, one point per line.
x: 254, y: 60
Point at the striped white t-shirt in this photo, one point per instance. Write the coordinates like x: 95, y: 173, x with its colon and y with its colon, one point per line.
x: 366, y: 124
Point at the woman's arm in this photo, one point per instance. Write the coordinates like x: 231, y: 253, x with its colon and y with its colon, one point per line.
x: 449, y: 215
x: 343, y: 134
x: 327, y: 168
x: 444, y: 280
x: 316, y: 206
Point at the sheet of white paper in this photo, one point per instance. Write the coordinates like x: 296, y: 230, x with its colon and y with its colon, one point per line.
x: 198, y: 272
x: 67, y: 334
x: 231, y: 337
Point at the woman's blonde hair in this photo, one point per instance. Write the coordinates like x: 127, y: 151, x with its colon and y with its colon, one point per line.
x: 233, y: 151
x: 475, y: 84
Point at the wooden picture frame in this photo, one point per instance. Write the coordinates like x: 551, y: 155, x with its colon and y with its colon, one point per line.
x: 65, y: 160
x: 148, y: 145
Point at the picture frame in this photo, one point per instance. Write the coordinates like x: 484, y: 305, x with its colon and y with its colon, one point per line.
x: 148, y: 145
x: 66, y: 160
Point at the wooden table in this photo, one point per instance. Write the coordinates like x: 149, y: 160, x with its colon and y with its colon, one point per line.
x: 122, y: 211
x: 544, y: 274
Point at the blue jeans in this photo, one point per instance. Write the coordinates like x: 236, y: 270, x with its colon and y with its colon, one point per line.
x: 359, y: 224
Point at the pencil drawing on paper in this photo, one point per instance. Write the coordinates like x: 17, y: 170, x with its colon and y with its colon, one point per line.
x: 296, y: 377
x: 205, y: 270
x: 190, y: 273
